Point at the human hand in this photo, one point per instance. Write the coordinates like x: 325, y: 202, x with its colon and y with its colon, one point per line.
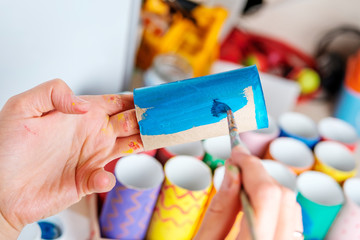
x: 277, y: 214
x: 53, y: 147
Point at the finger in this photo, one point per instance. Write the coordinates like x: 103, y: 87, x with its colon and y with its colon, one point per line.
x: 127, y: 145
x: 286, y: 220
x: 264, y: 193
x: 298, y: 216
x: 223, y: 208
x: 113, y: 103
x: 101, y: 181
x: 51, y: 95
x: 125, y: 123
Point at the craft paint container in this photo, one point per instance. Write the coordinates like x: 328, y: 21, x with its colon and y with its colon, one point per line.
x: 217, y: 150
x: 338, y: 130
x: 335, y: 160
x: 129, y: 205
x: 282, y: 174
x: 30, y: 232
x: 348, y: 108
x: 167, y: 68
x: 52, y: 228
x: 347, y: 223
x: 258, y: 141
x: 291, y: 152
x: 300, y: 127
x: 110, y: 167
x: 194, y: 149
x: 320, y: 198
x: 219, y: 174
x: 182, y: 199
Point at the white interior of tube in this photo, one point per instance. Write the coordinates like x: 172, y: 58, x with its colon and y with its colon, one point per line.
x: 31, y: 231
x: 139, y: 171
x: 219, y: 147
x: 320, y: 188
x: 280, y: 173
x: 219, y: 174
x: 337, y: 130
x: 188, y: 172
x: 298, y: 124
x: 191, y: 149
x: 352, y: 189
x: 272, y: 129
x: 335, y: 155
x: 291, y: 152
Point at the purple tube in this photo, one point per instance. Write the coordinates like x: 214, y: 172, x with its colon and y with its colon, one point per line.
x: 129, y: 205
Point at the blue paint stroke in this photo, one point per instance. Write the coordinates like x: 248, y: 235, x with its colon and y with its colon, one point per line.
x: 185, y: 104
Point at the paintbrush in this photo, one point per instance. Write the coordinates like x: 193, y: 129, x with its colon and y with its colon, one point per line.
x: 218, y: 109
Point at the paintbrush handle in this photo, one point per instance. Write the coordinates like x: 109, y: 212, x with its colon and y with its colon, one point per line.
x: 235, y: 141
x: 249, y: 213
x: 233, y: 130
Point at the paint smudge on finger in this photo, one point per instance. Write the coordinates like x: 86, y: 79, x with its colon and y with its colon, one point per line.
x: 134, y: 145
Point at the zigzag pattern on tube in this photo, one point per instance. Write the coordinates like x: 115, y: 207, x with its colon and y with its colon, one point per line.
x: 114, y: 214
x: 176, y: 213
x: 127, y: 219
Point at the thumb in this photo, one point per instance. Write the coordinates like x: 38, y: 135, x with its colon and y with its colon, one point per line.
x: 51, y: 95
x: 223, y: 208
x: 101, y: 181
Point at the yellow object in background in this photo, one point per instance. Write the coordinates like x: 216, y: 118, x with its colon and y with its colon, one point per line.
x: 176, y: 213
x: 338, y: 175
x: 198, y: 43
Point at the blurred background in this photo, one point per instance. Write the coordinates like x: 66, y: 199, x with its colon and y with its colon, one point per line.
x: 307, y: 53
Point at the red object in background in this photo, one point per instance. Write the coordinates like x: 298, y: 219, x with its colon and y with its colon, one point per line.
x: 110, y: 167
x: 163, y: 155
x: 270, y: 55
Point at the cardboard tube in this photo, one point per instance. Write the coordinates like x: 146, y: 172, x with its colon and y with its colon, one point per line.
x: 129, y: 205
x: 182, y: 199
x: 335, y: 160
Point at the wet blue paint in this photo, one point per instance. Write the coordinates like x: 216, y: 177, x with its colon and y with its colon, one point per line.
x: 219, y: 108
x: 185, y: 104
x: 49, y: 230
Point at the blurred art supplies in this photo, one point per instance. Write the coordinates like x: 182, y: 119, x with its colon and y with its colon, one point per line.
x: 348, y: 105
x: 192, y: 34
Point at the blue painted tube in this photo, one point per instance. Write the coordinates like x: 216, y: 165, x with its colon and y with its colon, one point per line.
x: 348, y: 108
x: 186, y: 104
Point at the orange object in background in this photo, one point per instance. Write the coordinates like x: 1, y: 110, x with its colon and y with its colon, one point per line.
x: 197, y: 43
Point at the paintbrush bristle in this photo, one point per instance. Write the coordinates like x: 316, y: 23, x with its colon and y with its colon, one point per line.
x: 218, y: 108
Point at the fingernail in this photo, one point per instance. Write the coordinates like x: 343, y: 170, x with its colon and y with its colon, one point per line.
x: 231, y: 176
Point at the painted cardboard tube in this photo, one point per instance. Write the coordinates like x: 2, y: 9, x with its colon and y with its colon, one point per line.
x: 110, y: 167
x: 129, y: 205
x: 320, y: 198
x: 180, y: 112
x: 182, y: 199
x: 194, y: 149
x: 300, y: 127
x: 347, y: 223
x: 334, y: 159
x: 257, y: 141
x: 282, y: 174
x: 295, y: 154
x: 217, y: 150
x: 338, y: 130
